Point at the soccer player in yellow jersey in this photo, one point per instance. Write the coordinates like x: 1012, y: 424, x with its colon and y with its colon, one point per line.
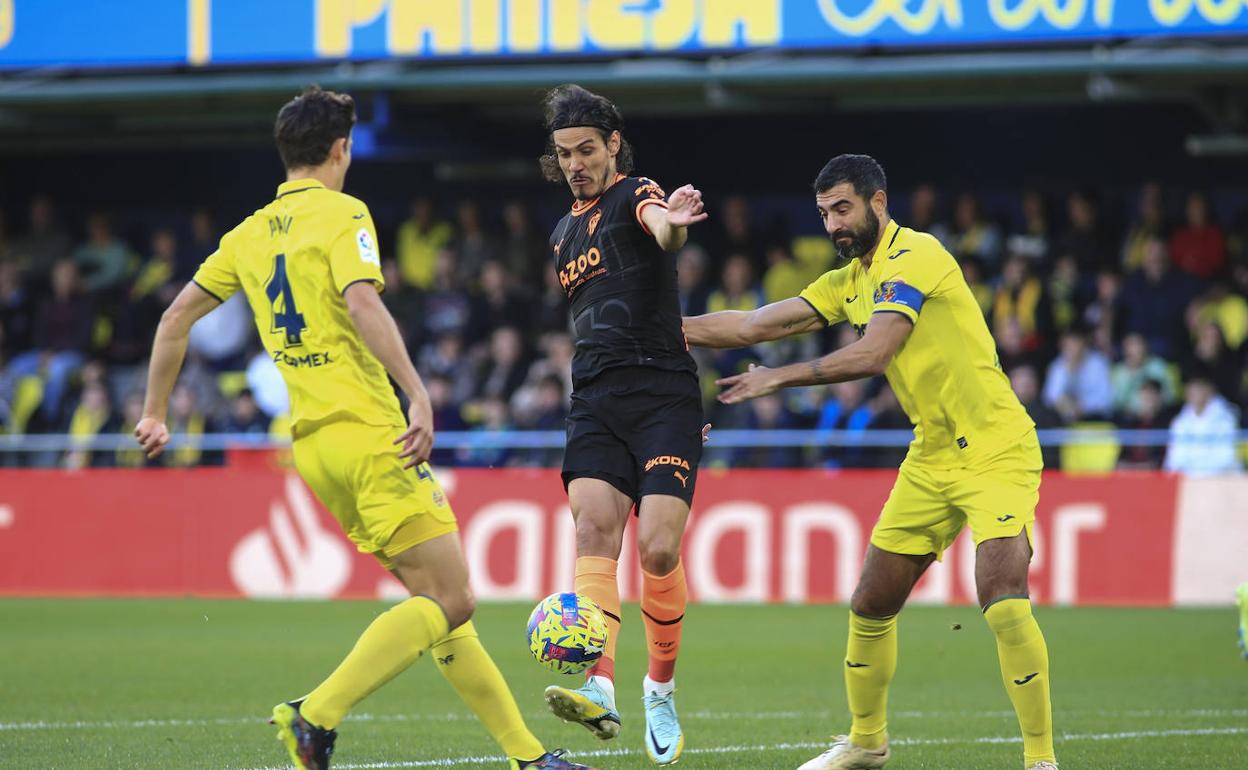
x: 974, y: 459
x: 308, y: 263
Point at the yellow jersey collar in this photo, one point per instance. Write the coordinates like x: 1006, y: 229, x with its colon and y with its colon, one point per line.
x: 886, y: 240
x: 297, y: 186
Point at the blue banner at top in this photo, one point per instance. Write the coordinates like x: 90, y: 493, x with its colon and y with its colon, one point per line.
x: 123, y: 33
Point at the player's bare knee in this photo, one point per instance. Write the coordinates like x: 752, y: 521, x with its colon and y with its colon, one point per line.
x: 597, y: 536
x: 659, y: 553
x: 459, y: 605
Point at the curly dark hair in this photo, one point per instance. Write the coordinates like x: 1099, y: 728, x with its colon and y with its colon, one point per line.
x: 570, y: 105
x: 308, y: 125
x: 861, y: 171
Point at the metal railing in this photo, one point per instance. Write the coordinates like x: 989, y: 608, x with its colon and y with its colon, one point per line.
x: 520, y: 439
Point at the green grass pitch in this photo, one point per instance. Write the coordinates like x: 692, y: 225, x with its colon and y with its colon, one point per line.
x: 186, y: 684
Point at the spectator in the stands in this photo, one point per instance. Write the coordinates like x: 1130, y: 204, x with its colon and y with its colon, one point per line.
x: 104, y: 260
x: 886, y: 415
x: 1221, y: 306
x: 924, y: 216
x: 735, y: 234
x: 61, y: 336
x: 418, y: 242
x: 473, y: 244
x: 1026, y: 385
x: 1065, y: 292
x: 406, y: 303
x: 1020, y: 297
x: 1077, y: 384
x: 492, y: 417
x: 556, y: 361
x: 500, y: 302
x: 767, y: 413
x: 1198, y: 246
x: 222, y: 336
x: 16, y: 320
x: 1210, y: 360
x: 245, y: 416
x: 1202, y: 436
x: 981, y: 290
x: 973, y: 234
x: 445, y: 356
x: 188, y: 420
x: 1104, y: 312
x: 1032, y: 240
x: 203, y: 241
x: 153, y: 288
x: 737, y: 290
x: 1155, y: 300
x: 844, y: 408
x: 691, y: 264
x: 1149, y: 413
x: 784, y: 277
x: 446, y: 414
x: 1149, y: 224
x: 523, y: 250
x: 43, y: 244
x: 92, y: 416
x: 503, y: 370
x: 265, y: 381
x: 1138, y: 366
x: 131, y: 413
x: 448, y: 309
x: 1085, y: 237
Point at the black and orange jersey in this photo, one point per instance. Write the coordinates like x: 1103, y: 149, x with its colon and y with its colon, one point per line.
x: 621, y: 285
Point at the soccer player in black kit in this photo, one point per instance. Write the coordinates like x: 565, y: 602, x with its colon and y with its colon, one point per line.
x: 635, y: 425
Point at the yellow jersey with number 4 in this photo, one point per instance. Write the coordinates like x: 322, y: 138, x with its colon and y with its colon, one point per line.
x: 946, y: 375
x: 293, y: 259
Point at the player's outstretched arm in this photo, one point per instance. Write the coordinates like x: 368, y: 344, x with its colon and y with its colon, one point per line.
x: 740, y: 328
x: 670, y: 225
x: 867, y: 357
x: 168, y: 351
x: 379, y: 332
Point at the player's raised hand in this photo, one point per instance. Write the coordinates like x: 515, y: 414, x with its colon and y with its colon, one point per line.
x: 758, y: 381
x: 684, y: 206
x: 417, y: 440
x: 152, y: 435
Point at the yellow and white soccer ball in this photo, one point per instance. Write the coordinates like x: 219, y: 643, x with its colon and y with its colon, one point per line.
x: 567, y: 633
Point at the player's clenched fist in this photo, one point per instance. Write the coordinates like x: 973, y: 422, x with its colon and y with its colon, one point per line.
x: 152, y: 435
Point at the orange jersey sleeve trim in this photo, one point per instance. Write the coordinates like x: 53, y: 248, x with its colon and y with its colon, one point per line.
x: 642, y: 205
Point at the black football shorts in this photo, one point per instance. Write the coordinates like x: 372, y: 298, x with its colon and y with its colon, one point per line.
x: 639, y: 429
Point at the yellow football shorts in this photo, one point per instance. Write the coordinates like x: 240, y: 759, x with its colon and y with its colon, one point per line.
x: 356, y: 472
x: 929, y: 506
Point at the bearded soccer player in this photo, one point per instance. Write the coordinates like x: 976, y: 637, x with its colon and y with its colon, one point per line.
x: 309, y: 266
x: 635, y: 426
x: 974, y: 460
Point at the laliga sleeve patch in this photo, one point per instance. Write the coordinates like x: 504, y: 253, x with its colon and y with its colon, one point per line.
x: 368, y: 249
x: 899, y: 293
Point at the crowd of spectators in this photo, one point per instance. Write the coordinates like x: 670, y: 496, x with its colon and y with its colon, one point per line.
x: 1131, y: 315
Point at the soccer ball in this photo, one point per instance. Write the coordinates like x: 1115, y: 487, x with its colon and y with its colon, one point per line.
x: 567, y: 633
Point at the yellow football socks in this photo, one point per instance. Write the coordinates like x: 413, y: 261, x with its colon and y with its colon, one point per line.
x: 1025, y: 672
x: 389, y: 645
x: 870, y: 661
x: 471, y: 671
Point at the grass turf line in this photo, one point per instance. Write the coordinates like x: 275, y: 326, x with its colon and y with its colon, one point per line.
x: 188, y: 683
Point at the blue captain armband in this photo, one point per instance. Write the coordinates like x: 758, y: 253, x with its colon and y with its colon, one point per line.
x: 900, y: 295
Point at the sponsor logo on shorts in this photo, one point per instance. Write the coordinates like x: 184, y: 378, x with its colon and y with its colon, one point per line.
x: 679, y: 462
x: 1005, y: 518
x: 683, y: 479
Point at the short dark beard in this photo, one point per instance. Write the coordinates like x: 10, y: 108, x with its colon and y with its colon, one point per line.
x: 861, y: 241
x: 602, y: 187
